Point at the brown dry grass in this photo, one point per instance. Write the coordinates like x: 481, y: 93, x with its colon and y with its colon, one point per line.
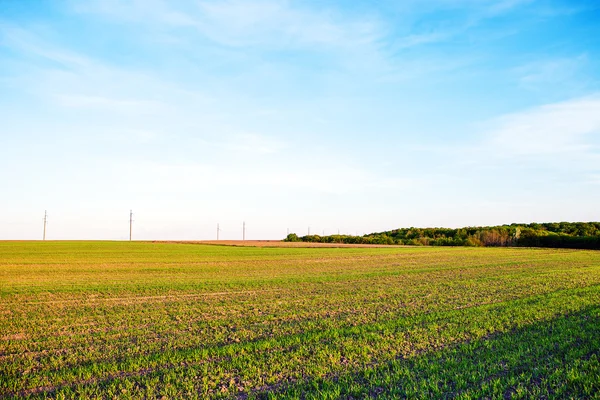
x: 273, y: 243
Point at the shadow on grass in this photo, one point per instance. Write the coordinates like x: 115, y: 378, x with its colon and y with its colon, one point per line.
x: 559, y: 358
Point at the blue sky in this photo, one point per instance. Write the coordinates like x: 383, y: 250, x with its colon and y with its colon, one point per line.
x: 358, y: 116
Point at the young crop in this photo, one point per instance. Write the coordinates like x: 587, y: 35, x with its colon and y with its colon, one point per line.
x: 153, y: 320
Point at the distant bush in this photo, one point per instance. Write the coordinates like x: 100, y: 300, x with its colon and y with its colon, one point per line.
x: 292, y: 237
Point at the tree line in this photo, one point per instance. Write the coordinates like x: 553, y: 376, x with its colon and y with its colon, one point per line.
x: 579, y: 235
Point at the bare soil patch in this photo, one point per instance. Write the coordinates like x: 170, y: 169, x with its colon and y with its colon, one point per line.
x: 273, y: 243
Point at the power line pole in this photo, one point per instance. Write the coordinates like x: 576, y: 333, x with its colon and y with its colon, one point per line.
x: 244, y: 231
x: 130, y: 223
x: 45, y: 222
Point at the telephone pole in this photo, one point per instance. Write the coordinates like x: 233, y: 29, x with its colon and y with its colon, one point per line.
x: 130, y: 223
x: 244, y: 231
x: 45, y: 222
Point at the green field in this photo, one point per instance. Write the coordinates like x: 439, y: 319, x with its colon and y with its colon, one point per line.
x: 131, y: 320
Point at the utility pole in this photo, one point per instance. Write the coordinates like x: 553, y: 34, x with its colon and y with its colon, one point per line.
x: 130, y: 223
x: 244, y: 231
x: 45, y: 222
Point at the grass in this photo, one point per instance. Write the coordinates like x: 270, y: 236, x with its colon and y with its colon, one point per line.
x: 131, y: 320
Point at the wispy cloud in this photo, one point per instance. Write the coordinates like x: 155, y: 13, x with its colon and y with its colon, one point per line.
x: 119, y: 105
x: 420, y: 39
x: 448, y: 26
x: 496, y: 7
x: 241, y: 23
x: 278, y: 23
x: 30, y: 45
x: 558, y: 72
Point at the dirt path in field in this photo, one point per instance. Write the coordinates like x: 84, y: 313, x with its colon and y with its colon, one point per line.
x: 273, y: 243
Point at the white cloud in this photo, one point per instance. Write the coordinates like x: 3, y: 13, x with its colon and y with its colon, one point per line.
x: 594, y: 179
x: 550, y: 129
x: 252, y: 143
x: 552, y: 141
x: 260, y: 177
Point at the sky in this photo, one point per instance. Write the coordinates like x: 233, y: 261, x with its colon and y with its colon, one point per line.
x: 357, y: 116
